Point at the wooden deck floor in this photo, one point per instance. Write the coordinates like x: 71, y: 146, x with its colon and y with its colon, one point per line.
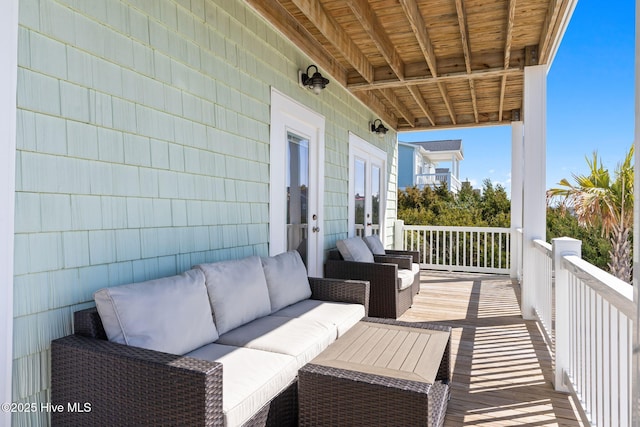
x: 501, y: 365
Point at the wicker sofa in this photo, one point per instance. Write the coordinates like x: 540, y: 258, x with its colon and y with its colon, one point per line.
x: 394, y: 276
x: 148, y: 355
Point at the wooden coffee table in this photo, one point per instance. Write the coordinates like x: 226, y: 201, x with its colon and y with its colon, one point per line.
x: 381, y: 372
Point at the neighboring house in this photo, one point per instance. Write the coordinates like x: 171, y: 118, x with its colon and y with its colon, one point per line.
x: 418, y: 164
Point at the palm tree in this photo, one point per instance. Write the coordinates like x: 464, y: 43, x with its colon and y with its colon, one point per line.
x: 599, y: 200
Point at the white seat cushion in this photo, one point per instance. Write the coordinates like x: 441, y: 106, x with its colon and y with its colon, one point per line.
x: 405, y: 278
x: 171, y: 314
x: 354, y: 249
x: 303, y: 339
x: 287, y: 279
x: 250, y: 378
x: 374, y: 244
x: 415, y: 268
x: 237, y: 291
x: 338, y: 314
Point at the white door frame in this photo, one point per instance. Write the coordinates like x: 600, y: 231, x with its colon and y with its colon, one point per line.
x: 8, y: 113
x: 358, y: 147
x: 289, y: 115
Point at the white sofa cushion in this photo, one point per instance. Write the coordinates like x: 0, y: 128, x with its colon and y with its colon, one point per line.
x: 250, y: 378
x: 171, y: 314
x: 287, y: 279
x: 354, y: 249
x: 303, y: 339
x: 415, y: 268
x: 374, y: 244
x: 237, y: 291
x: 340, y: 315
x: 405, y: 278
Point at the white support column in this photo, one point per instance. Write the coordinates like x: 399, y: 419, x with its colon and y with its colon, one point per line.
x: 635, y: 367
x: 517, y: 172
x: 398, y: 235
x: 534, y: 199
x: 562, y: 246
x: 8, y: 111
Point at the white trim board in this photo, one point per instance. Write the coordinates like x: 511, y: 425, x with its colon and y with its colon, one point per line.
x: 8, y: 112
x: 359, y: 145
x: 287, y: 114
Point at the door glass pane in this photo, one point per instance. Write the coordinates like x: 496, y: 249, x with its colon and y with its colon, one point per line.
x: 297, y: 190
x: 360, y: 195
x: 375, y: 200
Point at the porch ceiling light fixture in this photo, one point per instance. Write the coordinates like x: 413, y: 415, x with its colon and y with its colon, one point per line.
x: 316, y: 82
x: 379, y: 130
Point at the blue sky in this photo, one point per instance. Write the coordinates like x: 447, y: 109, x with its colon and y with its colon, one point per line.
x: 590, y: 101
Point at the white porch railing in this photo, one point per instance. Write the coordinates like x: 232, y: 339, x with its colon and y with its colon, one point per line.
x: 586, y: 314
x: 544, y: 307
x: 375, y: 229
x: 472, y: 249
x: 434, y: 179
x: 516, y: 254
x: 599, y: 322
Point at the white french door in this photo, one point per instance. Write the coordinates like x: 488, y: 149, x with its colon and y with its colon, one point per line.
x: 367, y: 166
x: 297, y: 184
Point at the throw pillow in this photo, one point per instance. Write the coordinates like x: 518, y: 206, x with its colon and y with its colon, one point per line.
x: 354, y: 249
x: 171, y: 314
x: 237, y: 291
x: 287, y: 279
x: 374, y: 244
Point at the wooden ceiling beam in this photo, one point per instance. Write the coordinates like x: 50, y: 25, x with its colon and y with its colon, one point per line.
x: 503, y: 88
x: 372, y: 102
x: 419, y: 28
x: 399, y: 106
x: 331, y: 29
x: 422, y: 103
x: 369, y: 21
x: 507, y: 52
x: 279, y: 17
x: 447, y: 101
x: 412, y: 11
x: 453, y: 77
x: 549, y: 28
x: 462, y: 25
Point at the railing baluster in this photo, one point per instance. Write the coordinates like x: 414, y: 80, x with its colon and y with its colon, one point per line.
x: 457, y: 248
x: 450, y: 263
x: 443, y: 248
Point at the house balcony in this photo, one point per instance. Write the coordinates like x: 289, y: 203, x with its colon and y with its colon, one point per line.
x: 570, y: 363
x: 502, y: 368
x: 450, y: 181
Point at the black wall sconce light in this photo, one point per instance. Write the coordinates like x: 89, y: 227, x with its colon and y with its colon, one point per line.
x: 379, y: 130
x: 315, y: 82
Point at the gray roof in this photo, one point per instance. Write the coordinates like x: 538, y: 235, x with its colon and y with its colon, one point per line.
x: 442, y: 145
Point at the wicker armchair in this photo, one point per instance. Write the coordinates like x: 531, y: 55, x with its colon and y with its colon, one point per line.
x: 385, y: 298
x: 414, y: 256
x: 127, y: 385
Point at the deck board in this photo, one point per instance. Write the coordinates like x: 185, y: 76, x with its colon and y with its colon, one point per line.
x: 501, y: 365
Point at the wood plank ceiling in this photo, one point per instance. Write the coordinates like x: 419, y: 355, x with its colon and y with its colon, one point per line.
x: 425, y: 64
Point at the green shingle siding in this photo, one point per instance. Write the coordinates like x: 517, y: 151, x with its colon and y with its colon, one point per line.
x: 143, y: 149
